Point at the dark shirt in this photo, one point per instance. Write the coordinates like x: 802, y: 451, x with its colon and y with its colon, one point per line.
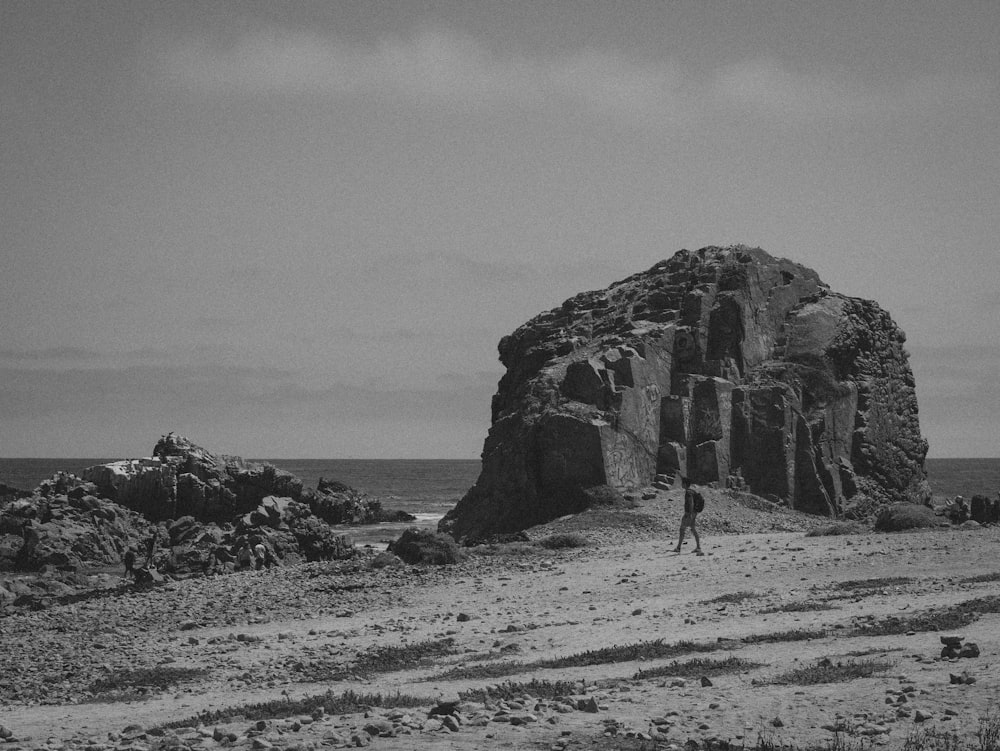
x: 689, y: 502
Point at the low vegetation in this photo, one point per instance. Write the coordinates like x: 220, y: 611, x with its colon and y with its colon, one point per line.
x: 838, y: 528
x: 140, y: 683
x: 732, y: 598
x: 649, y: 650
x: 947, y: 618
x: 698, y: 667
x: 560, y: 541
x: 937, y: 739
x: 347, y: 702
x: 827, y: 671
x: 393, y: 658
x: 534, y: 688
x: 993, y: 576
x: 423, y: 546
x: 798, y: 634
x: 800, y: 606
x: 879, y: 583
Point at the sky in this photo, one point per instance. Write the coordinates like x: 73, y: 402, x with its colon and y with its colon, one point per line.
x: 299, y: 229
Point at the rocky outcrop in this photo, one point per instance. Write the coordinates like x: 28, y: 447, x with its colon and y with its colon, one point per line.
x: 725, y: 365
x: 202, y: 508
x: 183, y: 479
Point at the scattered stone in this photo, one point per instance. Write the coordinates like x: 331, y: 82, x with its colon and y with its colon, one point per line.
x: 969, y: 650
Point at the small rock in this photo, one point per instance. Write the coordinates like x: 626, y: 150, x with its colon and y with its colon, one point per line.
x: 969, y: 650
x: 920, y: 716
x: 776, y: 722
x: 705, y: 682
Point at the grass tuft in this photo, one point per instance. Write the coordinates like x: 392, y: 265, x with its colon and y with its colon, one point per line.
x: 129, y: 685
x: 933, y: 739
x: 879, y: 583
x: 391, y: 659
x: 347, y: 702
x: 947, y: 618
x: 798, y: 634
x: 386, y: 659
x: 649, y: 650
x: 826, y: 671
x: 838, y: 528
x: 697, y: 667
x: 797, y: 607
x: 981, y: 578
x: 560, y: 541
x: 733, y: 598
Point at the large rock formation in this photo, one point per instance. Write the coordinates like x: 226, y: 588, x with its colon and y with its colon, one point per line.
x: 713, y: 364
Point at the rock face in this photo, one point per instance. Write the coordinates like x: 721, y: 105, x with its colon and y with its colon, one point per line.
x: 725, y: 365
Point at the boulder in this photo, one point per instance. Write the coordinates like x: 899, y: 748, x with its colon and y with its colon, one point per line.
x: 720, y: 363
x: 984, y: 510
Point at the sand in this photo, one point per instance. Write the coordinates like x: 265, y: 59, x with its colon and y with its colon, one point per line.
x: 518, y: 604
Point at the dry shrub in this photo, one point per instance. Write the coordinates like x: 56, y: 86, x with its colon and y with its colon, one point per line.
x: 566, y: 540
x: 903, y: 516
x: 422, y: 546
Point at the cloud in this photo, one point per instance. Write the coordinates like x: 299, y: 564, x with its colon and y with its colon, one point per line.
x: 767, y: 87
x: 430, y: 66
x: 442, y: 66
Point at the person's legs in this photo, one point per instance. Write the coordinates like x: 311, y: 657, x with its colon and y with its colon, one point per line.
x: 694, y: 531
x: 680, y: 541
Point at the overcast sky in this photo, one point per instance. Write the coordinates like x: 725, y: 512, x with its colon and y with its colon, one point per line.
x: 299, y: 229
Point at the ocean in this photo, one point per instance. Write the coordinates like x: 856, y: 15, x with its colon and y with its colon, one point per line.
x: 428, y: 488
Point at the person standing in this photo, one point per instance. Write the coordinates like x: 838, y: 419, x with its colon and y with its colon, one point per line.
x: 129, y: 560
x: 694, y: 504
x: 150, y: 550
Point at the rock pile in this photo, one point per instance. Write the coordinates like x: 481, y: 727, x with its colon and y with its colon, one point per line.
x: 196, y: 509
x: 725, y: 365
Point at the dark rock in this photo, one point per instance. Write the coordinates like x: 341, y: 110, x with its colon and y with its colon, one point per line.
x: 337, y: 503
x: 444, y: 708
x: 984, y: 510
x: 969, y: 650
x: 716, y: 364
x: 952, y: 640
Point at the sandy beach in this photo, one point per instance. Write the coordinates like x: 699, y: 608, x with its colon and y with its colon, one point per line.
x: 756, y: 596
